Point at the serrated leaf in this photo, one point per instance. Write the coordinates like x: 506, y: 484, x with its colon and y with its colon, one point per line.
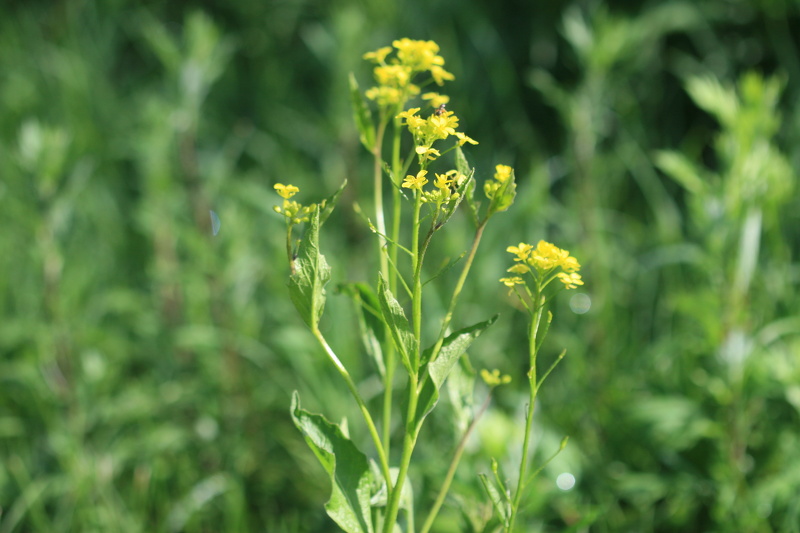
x: 362, y: 115
x: 312, y: 273
x: 395, y: 318
x: 348, y: 468
x: 370, y: 321
x: 453, y: 347
x: 499, y: 502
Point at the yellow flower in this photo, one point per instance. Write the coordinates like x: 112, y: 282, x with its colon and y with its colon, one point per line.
x: 570, y: 265
x: 522, y: 251
x: 412, y: 120
x: 286, y: 191
x: 436, y: 99
x: 502, y: 173
x: 419, y: 55
x: 493, y: 378
x: 416, y: 182
x: 440, y: 126
x: 570, y: 281
x: 519, y: 268
x: 379, y: 55
x: 511, y: 281
x: 427, y: 152
x: 439, y: 75
x: 392, y: 75
x: 547, y: 256
x: 442, y: 181
x: 463, y: 139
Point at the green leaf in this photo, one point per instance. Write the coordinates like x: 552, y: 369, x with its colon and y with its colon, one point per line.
x: 348, y: 468
x: 678, y: 167
x: 460, y: 387
x: 370, y: 320
x: 395, y: 318
x: 327, y: 205
x: 362, y: 116
x: 312, y: 273
x: 499, y: 500
x: 462, y: 166
x: 453, y: 347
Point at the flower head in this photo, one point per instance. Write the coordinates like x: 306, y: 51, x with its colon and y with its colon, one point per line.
x: 416, y: 182
x: 286, y: 191
x: 542, y: 262
x: 493, y: 378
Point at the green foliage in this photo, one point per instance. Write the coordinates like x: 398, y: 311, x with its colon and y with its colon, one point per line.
x: 146, y: 366
x: 347, y: 467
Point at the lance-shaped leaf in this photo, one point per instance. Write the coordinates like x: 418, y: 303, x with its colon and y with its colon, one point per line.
x: 462, y: 166
x: 362, y: 115
x: 499, y: 499
x: 348, y: 468
x: 326, y: 206
x: 453, y: 347
x: 370, y: 320
x: 307, y: 284
x: 395, y: 318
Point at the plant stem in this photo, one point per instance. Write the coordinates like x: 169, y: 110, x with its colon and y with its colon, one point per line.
x: 457, y: 291
x: 384, y: 463
x: 410, y: 437
x: 451, y: 472
x: 538, y: 308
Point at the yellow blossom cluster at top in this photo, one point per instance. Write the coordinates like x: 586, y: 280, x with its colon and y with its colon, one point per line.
x: 293, y: 211
x: 395, y: 76
x: 542, y: 261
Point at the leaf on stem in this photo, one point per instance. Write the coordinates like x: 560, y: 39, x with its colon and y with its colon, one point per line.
x: 327, y: 205
x: 395, y: 318
x: 453, y: 347
x: 363, y: 116
x: 348, y: 468
x: 462, y: 166
x: 499, y: 500
x: 370, y: 322
x: 312, y: 273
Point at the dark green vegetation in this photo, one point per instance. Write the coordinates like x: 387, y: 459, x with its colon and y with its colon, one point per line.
x: 146, y: 367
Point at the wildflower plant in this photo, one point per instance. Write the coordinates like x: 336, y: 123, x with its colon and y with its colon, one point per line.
x: 426, y: 190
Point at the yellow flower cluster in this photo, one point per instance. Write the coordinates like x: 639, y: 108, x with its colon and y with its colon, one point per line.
x: 445, y: 185
x: 395, y: 76
x: 438, y: 126
x: 542, y: 261
x: 501, y: 175
x: 293, y: 211
x: 493, y: 378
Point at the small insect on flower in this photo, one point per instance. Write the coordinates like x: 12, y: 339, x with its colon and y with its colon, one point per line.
x: 440, y: 111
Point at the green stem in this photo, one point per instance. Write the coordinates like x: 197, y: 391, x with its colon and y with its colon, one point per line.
x: 457, y: 291
x: 451, y: 472
x: 384, y: 463
x: 389, y: 360
x: 410, y: 437
x: 409, y: 442
x: 538, y: 308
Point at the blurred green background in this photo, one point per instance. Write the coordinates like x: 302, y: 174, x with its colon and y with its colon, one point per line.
x: 146, y: 367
